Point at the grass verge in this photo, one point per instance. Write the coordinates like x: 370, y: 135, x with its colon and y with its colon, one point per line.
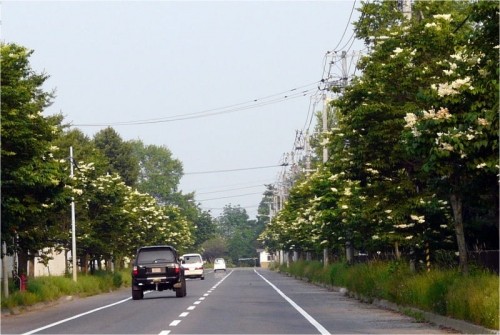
x: 473, y: 298
x: 51, y: 288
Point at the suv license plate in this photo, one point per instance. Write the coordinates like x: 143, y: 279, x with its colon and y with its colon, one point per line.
x: 156, y: 270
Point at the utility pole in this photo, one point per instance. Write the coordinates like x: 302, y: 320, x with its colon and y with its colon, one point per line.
x: 73, y: 224
x: 405, y: 7
x: 5, y: 274
x: 326, y: 251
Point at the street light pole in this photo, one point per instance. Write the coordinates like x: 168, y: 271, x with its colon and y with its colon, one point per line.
x: 73, y: 224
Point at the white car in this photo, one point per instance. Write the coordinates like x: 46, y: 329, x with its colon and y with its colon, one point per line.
x: 193, y: 266
x: 219, y: 264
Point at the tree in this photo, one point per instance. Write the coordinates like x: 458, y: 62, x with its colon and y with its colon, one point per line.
x: 159, y: 172
x: 456, y: 136
x: 120, y: 155
x: 32, y: 180
x: 238, y: 231
x: 213, y: 248
x: 415, y: 151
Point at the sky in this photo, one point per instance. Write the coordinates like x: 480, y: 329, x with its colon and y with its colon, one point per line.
x: 224, y: 85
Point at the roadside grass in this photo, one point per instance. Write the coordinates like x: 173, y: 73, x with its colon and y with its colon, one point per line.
x: 473, y: 298
x: 51, y: 288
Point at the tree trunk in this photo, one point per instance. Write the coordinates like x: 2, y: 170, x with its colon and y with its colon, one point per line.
x: 396, y: 248
x: 66, y: 262
x: 22, y: 263
x: 456, y: 206
x: 326, y: 252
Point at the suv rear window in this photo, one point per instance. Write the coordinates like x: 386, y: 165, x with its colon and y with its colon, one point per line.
x: 192, y: 259
x: 155, y: 255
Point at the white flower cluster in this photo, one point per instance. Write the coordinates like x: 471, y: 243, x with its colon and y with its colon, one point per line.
x: 404, y: 226
x: 419, y: 219
x: 443, y: 113
x: 453, y: 88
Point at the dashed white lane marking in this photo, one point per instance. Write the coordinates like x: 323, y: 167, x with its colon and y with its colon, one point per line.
x: 190, y: 308
x: 309, y: 318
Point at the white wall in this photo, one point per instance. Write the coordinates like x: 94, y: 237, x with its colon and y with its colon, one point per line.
x: 56, y: 266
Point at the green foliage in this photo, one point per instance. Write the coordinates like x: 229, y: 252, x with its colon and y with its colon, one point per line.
x: 51, y: 288
x: 239, y: 233
x: 472, y: 298
x: 32, y: 179
x: 475, y: 298
x: 159, y: 172
x: 120, y: 155
x: 413, y: 156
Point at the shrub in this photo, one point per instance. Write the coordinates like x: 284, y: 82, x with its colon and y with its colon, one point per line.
x: 117, y: 279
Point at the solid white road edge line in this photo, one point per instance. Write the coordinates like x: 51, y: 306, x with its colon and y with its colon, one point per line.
x: 309, y: 318
x: 75, y: 317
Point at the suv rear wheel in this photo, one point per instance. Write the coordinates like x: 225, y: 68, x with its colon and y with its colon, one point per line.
x: 137, y: 294
x: 181, y: 292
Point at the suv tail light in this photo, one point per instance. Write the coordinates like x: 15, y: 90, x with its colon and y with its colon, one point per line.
x: 177, y: 269
x: 135, y: 271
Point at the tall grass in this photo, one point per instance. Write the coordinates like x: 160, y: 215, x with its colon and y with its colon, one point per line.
x: 51, y: 288
x: 473, y: 298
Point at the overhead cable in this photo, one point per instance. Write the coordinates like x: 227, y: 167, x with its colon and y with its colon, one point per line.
x: 270, y: 99
x: 346, y: 26
x: 232, y: 196
x: 233, y: 170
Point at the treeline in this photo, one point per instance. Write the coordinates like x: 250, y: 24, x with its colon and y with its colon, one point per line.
x: 413, y: 156
x: 125, y: 192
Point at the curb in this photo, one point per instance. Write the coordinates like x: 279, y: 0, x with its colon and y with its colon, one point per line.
x: 23, y: 309
x: 436, y: 319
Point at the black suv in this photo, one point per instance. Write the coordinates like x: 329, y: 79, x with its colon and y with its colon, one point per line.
x: 157, y: 268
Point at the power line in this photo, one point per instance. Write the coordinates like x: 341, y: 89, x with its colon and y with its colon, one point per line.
x: 276, y: 98
x: 232, y: 196
x: 231, y: 189
x: 249, y: 183
x: 233, y: 170
x: 346, y: 26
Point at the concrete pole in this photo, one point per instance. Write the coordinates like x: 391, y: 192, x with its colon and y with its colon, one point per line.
x: 326, y: 252
x: 5, y: 273
x: 73, y: 223
x: 406, y: 8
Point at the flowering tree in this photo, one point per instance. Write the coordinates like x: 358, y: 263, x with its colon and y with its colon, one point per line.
x: 456, y: 136
x: 417, y: 134
x: 32, y: 179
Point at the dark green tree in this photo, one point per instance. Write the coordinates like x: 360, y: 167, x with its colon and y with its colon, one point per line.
x: 159, y: 172
x: 32, y: 179
x: 120, y: 155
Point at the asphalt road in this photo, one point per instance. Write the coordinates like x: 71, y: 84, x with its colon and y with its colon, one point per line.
x: 240, y: 301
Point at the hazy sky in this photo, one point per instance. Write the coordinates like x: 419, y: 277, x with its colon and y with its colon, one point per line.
x: 117, y: 61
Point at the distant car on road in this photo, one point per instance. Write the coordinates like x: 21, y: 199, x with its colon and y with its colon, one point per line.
x: 157, y: 268
x: 193, y: 266
x: 219, y: 264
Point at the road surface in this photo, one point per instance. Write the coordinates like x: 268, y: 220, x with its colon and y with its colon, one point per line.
x: 240, y: 301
